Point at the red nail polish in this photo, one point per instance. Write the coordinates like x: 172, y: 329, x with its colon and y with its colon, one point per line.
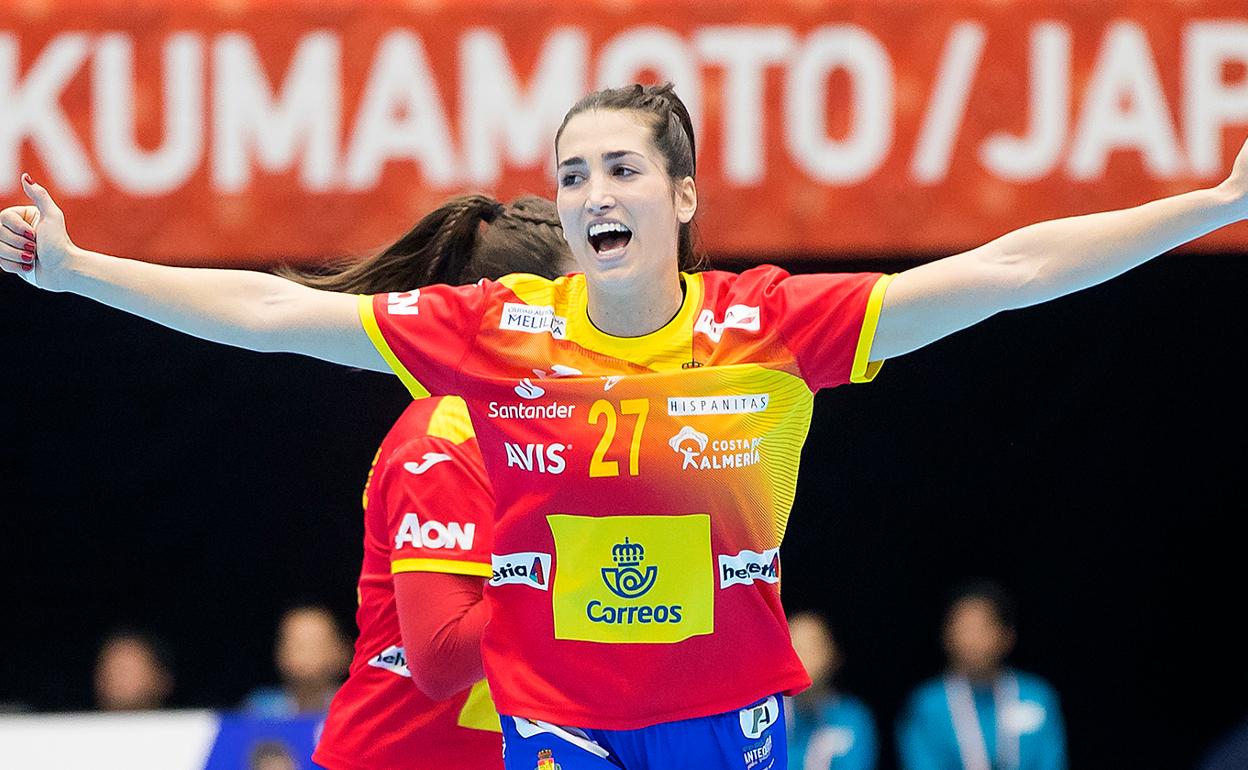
x: 29, y: 247
x: 26, y: 178
x: 27, y: 268
x: 30, y: 234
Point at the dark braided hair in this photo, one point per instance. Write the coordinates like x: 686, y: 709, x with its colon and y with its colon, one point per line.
x: 671, y: 131
x: 468, y: 238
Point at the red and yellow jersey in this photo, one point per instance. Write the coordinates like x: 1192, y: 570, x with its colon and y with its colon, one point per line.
x: 642, y: 485
x: 428, y: 507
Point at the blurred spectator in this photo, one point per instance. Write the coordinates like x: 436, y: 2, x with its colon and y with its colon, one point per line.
x: 133, y: 672
x: 272, y: 755
x: 827, y: 728
x: 1231, y: 752
x: 311, y: 656
x: 981, y: 715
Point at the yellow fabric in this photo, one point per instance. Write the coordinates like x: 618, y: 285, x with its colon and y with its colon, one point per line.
x: 864, y: 370
x: 450, y: 421
x: 629, y: 579
x: 667, y: 348
x: 479, y: 712
x: 369, y: 320
x: 449, y: 566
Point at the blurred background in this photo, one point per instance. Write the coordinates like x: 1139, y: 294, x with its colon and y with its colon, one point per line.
x: 179, y: 511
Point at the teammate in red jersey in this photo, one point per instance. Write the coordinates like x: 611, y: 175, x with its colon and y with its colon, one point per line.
x: 428, y: 520
x: 655, y: 637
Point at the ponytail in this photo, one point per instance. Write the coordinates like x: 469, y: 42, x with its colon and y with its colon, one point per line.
x: 467, y: 238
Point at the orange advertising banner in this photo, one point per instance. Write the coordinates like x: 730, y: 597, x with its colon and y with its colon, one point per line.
x: 236, y: 132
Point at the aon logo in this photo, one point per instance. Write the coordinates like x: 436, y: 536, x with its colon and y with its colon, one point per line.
x: 434, y: 534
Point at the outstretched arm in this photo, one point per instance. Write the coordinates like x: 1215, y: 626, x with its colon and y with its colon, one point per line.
x: 1047, y: 260
x: 247, y: 309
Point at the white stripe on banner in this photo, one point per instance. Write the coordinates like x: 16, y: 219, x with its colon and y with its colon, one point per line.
x: 160, y: 741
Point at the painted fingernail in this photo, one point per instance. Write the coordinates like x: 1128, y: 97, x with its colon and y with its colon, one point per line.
x: 27, y: 268
x: 29, y: 247
x: 30, y: 234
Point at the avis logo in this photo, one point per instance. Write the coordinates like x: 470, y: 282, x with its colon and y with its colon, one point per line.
x: 744, y: 317
x: 528, y: 569
x: 542, y: 458
x: 403, y: 302
x: 526, y: 389
x: 625, y: 579
x: 434, y: 534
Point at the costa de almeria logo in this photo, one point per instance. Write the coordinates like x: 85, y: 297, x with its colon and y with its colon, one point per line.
x: 625, y: 579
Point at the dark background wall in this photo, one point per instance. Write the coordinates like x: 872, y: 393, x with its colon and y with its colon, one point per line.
x: 1088, y: 453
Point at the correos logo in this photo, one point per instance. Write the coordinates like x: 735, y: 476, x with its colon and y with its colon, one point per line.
x: 625, y: 579
x: 628, y: 580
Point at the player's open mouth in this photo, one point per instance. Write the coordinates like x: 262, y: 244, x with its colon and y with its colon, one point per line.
x: 609, y: 238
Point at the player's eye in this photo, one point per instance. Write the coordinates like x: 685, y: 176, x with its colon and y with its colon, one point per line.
x: 570, y: 178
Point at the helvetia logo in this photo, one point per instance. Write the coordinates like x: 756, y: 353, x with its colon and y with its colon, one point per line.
x: 391, y: 659
x: 434, y: 534
x: 699, y: 452
x: 749, y: 566
x: 403, y: 302
x: 625, y: 579
x: 528, y: 568
x: 743, y: 317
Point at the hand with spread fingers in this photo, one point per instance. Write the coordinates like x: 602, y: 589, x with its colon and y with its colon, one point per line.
x: 33, y: 240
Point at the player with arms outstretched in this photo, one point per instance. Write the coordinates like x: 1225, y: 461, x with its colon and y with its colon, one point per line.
x: 641, y: 426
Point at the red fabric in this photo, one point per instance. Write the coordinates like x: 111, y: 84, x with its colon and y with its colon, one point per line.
x: 441, y: 616
x: 379, y: 718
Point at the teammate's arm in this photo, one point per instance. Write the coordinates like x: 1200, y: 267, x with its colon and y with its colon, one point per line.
x: 1047, y: 260
x: 247, y: 309
x: 441, y: 617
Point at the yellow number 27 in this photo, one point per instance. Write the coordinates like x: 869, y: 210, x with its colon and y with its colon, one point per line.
x: 599, y: 466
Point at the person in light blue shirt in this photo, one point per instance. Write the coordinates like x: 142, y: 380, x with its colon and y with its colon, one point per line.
x: 981, y: 714
x: 828, y: 729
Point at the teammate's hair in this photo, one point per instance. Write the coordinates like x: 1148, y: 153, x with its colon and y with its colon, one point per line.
x: 157, y: 647
x: 671, y: 131
x: 468, y: 238
x: 986, y: 591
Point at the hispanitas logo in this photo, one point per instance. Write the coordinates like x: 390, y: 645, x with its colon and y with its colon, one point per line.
x: 625, y: 579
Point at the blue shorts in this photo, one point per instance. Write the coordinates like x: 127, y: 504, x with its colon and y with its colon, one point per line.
x: 749, y: 739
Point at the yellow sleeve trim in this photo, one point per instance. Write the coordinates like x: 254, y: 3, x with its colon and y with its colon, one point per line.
x: 369, y: 320
x: 449, y: 566
x: 450, y: 421
x: 864, y: 370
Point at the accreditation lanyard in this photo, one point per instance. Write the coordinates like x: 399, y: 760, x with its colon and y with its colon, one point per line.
x: 966, y: 725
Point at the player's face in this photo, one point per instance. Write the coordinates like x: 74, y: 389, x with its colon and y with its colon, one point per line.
x: 620, y: 211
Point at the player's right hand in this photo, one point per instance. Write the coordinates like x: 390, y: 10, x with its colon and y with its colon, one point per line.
x: 33, y: 240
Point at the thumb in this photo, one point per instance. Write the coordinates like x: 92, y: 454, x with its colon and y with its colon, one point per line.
x: 40, y: 197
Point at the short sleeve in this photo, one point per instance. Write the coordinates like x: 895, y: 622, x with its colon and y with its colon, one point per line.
x: 828, y: 322
x: 424, y: 334
x: 439, y: 508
